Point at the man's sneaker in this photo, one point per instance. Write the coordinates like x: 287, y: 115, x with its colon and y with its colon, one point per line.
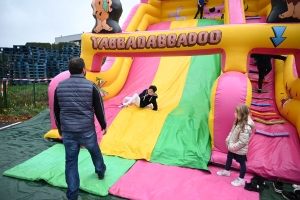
x: 296, y: 186
x: 223, y: 173
x: 290, y: 195
x: 297, y: 191
x: 278, y: 185
x: 101, y: 175
x: 238, y: 182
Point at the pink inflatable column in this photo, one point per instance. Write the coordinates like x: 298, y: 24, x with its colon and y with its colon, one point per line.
x: 52, y: 86
x: 231, y: 91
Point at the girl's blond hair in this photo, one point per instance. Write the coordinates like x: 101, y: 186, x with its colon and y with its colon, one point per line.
x: 242, y: 113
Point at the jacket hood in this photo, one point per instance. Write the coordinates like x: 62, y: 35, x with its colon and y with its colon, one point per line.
x: 250, y: 122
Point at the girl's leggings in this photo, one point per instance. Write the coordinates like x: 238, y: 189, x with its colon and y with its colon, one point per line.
x: 134, y: 99
x: 242, y: 165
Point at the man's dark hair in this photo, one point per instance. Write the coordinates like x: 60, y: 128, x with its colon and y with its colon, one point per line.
x: 153, y: 87
x: 76, y: 65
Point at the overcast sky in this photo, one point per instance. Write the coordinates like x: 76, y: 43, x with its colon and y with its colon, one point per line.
x: 24, y: 21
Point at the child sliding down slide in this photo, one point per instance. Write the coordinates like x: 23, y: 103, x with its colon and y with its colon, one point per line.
x: 146, y: 99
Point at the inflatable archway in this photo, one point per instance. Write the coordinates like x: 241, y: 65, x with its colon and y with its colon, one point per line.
x: 153, y: 31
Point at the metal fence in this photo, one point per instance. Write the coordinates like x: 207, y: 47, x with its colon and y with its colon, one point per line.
x: 19, y: 93
x: 25, y: 73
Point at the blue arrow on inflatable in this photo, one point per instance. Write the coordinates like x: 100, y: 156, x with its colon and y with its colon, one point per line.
x: 278, y: 31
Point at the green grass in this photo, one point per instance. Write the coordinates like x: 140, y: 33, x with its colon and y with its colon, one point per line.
x: 20, y: 102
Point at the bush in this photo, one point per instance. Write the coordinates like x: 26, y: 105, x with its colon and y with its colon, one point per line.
x: 49, y: 46
x: 39, y: 44
x: 60, y: 45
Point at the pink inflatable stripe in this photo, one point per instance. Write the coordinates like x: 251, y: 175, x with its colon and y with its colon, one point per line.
x: 295, y: 70
x: 268, y: 101
x: 260, y: 97
x: 261, y: 109
x: 236, y: 12
x: 130, y: 16
x: 147, y: 181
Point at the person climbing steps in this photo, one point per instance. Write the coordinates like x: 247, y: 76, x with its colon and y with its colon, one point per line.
x: 264, y: 66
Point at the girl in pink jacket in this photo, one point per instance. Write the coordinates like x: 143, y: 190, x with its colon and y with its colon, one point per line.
x: 237, y: 143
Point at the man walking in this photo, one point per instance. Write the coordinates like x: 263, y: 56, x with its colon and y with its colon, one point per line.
x: 76, y: 100
x: 200, y: 9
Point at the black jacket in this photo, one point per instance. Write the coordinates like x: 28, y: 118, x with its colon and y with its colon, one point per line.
x: 147, y: 99
x: 76, y: 100
x: 264, y: 60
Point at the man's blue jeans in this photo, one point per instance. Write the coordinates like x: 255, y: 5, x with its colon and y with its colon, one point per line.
x: 72, y: 142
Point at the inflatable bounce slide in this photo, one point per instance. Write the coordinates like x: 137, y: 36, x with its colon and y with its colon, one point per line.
x: 203, y: 70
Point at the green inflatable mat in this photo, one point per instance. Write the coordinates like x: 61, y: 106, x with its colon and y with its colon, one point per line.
x: 50, y: 166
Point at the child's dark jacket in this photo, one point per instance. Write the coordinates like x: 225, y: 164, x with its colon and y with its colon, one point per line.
x: 147, y: 99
